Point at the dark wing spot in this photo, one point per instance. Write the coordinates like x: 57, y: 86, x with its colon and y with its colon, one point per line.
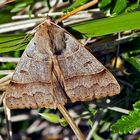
x: 87, y: 63
x: 23, y: 71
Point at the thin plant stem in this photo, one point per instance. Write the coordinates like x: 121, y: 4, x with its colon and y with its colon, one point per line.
x: 71, y: 122
x: 61, y: 107
x: 83, y: 7
x: 8, y: 121
x: 6, y: 78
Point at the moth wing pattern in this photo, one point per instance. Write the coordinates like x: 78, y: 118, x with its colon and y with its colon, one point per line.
x: 78, y: 76
x: 30, y: 86
x: 85, y: 78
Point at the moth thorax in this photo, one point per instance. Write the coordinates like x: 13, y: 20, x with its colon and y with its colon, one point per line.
x: 57, y: 41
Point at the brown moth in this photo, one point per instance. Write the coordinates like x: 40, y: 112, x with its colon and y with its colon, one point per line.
x: 55, y: 59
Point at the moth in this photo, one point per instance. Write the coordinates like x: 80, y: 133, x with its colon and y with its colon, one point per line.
x: 54, y: 69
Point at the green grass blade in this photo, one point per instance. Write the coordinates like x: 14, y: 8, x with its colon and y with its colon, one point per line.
x: 12, y: 42
x: 94, y: 28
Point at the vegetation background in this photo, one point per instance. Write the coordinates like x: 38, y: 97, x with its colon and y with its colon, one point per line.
x: 110, y: 29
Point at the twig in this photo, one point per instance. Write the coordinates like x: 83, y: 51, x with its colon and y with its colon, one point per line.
x: 54, y: 76
x: 61, y: 6
x: 18, y: 118
x: 6, y: 78
x: 54, y: 6
x: 106, y: 43
x: 114, y: 108
x: 118, y: 109
x: 97, y: 118
x: 9, y: 59
x: 82, y: 14
x: 4, y: 84
x: 83, y: 7
x: 20, y: 17
x: 71, y: 122
x: 3, y: 88
x: 35, y: 126
x: 8, y: 121
x: 2, y: 97
x: 1, y: 138
x: 6, y: 72
x: 96, y: 123
x: 23, y: 117
x: 18, y: 25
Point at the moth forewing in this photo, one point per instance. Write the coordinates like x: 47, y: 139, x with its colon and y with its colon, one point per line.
x: 78, y: 73
x: 85, y: 78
